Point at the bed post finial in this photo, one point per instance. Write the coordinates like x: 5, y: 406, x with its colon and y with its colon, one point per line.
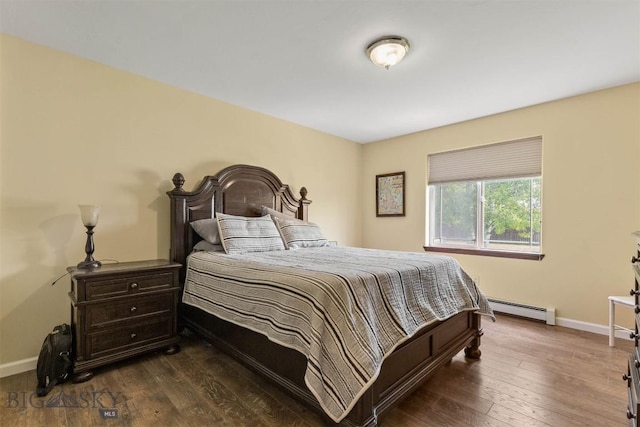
x: 178, y: 181
x: 303, y: 205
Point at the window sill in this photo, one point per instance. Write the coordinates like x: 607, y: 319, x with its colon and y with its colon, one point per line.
x: 481, y: 252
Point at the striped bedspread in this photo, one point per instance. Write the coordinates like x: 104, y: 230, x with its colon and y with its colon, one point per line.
x: 346, y: 309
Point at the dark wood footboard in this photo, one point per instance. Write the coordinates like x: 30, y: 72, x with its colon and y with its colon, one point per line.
x: 408, y: 367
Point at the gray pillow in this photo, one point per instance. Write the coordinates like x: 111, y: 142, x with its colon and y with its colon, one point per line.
x: 241, y: 234
x: 207, y: 229
x: 203, y: 245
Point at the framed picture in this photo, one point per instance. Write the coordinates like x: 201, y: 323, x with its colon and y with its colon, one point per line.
x: 390, y: 194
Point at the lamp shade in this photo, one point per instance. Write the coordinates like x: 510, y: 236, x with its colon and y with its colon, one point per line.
x: 89, y: 214
x: 388, y: 51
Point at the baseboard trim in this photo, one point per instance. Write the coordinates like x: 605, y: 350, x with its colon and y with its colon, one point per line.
x: 18, y: 367
x: 589, y: 327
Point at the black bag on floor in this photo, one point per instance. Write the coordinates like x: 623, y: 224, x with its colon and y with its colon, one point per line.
x: 54, y: 361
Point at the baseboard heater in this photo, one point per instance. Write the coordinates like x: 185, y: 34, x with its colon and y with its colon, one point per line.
x: 547, y: 315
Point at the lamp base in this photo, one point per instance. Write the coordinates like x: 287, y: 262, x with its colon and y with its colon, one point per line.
x: 89, y: 264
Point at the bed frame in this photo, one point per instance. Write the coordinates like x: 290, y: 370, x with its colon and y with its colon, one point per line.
x: 243, y: 190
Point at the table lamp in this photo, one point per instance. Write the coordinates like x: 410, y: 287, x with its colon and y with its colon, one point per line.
x: 89, y: 214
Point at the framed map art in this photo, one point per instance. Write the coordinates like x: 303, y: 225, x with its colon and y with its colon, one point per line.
x: 390, y: 194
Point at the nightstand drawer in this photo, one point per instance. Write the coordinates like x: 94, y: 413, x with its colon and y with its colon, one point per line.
x: 633, y: 391
x: 107, y: 314
x: 112, y: 341
x: 97, y: 289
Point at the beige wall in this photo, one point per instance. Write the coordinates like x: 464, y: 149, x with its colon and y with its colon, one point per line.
x: 74, y: 131
x: 591, y: 199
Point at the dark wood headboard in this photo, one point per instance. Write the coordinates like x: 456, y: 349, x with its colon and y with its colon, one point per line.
x: 236, y: 190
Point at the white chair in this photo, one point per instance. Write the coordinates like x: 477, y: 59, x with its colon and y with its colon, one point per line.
x: 613, y: 300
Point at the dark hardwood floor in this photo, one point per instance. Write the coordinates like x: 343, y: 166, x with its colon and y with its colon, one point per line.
x: 530, y: 374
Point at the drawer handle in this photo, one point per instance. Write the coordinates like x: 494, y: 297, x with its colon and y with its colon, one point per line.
x: 634, y: 292
x: 634, y: 259
x: 133, y: 309
x: 134, y: 285
x: 625, y: 377
x: 630, y: 415
x: 633, y: 335
x: 133, y: 335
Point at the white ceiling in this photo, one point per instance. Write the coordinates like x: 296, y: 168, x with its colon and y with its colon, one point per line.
x: 303, y: 60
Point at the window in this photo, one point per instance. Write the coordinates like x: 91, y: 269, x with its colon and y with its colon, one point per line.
x: 487, y: 198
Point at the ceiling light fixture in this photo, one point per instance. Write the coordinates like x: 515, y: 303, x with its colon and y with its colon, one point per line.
x: 388, y: 51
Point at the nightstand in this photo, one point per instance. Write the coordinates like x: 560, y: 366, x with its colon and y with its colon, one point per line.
x: 632, y: 377
x: 122, y: 310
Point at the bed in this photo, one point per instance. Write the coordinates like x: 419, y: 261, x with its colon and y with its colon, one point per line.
x: 243, y: 190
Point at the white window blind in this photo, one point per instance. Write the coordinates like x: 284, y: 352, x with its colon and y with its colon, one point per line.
x: 513, y: 159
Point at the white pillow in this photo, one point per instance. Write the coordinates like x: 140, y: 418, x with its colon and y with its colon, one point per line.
x: 275, y: 214
x: 299, y: 234
x: 207, y: 229
x: 241, y: 234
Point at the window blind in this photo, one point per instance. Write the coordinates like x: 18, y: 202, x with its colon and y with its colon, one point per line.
x: 512, y: 159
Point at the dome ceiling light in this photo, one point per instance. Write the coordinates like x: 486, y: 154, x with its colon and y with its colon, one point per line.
x: 388, y: 51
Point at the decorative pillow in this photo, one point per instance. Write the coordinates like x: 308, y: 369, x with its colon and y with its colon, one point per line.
x: 275, y: 214
x: 207, y: 229
x: 203, y: 245
x: 241, y: 234
x: 299, y: 234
